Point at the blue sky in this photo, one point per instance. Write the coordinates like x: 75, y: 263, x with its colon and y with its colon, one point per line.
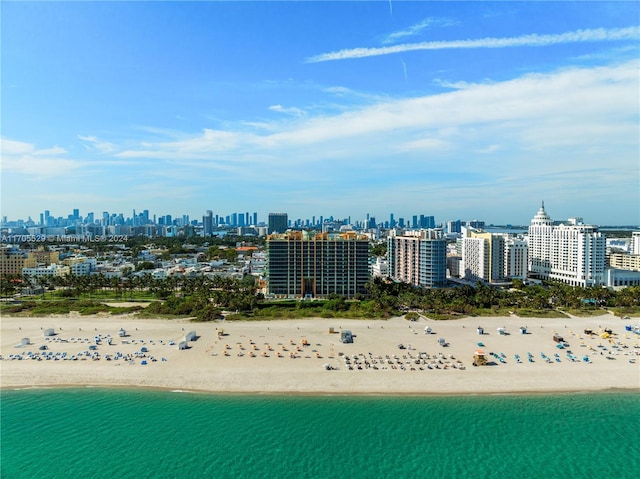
x: 452, y: 109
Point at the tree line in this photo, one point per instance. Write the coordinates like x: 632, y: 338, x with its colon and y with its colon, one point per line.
x: 206, y: 297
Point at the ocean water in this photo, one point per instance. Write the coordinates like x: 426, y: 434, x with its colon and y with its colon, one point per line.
x: 108, y: 433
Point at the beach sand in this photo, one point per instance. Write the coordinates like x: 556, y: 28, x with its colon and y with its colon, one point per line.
x: 258, y: 355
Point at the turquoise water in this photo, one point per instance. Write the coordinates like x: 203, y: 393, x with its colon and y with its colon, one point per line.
x: 104, y: 433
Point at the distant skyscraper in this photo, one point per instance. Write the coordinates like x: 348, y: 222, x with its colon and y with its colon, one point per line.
x: 207, y: 223
x: 477, y: 224
x: 371, y: 222
x: 278, y: 223
x: 454, y: 226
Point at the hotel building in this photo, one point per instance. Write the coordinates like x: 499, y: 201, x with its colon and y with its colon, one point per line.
x: 573, y: 253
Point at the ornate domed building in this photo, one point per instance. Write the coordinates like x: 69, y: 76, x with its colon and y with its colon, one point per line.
x: 573, y: 253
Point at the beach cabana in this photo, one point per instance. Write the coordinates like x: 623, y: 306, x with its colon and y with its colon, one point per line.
x: 122, y: 333
x: 49, y: 332
x: 346, y: 336
x: 190, y: 336
x: 428, y: 330
x: 442, y: 342
x: 25, y: 342
x: 182, y: 345
x: 480, y: 330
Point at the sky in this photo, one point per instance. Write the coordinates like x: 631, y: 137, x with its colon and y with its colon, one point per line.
x: 459, y: 110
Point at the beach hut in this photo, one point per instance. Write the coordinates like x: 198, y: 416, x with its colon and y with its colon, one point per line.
x: 190, y: 336
x: 122, y: 333
x: 25, y: 342
x: 428, y: 330
x: 346, y: 336
x: 442, y: 342
x: 523, y: 330
x: 480, y: 330
x: 502, y: 331
x: 49, y: 332
x: 182, y: 345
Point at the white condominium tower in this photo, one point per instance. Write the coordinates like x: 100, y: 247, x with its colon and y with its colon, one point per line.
x: 492, y: 257
x: 572, y: 253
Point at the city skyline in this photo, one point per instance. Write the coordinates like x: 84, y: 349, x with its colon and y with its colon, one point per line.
x: 455, y: 109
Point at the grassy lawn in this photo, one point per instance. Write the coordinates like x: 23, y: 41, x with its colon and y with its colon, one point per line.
x: 491, y: 312
x: 63, y: 306
x: 584, y: 313
x: 626, y: 311
x: 539, y: 313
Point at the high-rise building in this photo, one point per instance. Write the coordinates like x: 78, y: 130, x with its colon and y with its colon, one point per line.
x: 572, y: 253
x: 492, y: 257
x: 483, y: 256
x: 635, y: 243
x: 207, y: 223
x: 454, y: 226
x: 427, y: 222
x: 515, y: 258
x: 476, y: 224
x: 278, y: 222
x: 312, y: 264
x: 419, y: 259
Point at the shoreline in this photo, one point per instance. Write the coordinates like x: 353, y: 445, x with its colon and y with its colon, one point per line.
x: 204, y: 392
x: 277, y: 363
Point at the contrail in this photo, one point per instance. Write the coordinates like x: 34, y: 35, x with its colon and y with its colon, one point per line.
x: 390, y: 8
x: 404, y: 67
x: 532, y: 40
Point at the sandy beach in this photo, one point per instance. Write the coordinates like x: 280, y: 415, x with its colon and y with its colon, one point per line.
x: 304, y: 357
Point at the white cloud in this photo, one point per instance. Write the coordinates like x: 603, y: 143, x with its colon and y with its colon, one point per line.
x: 569, y: 108
x: 417, y: 29
x: 91, y: 142
x: 25, y: 158
x: 297, y: 112
x: 424, y: 144
x: 533, y: 135
x: 532, y: 40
